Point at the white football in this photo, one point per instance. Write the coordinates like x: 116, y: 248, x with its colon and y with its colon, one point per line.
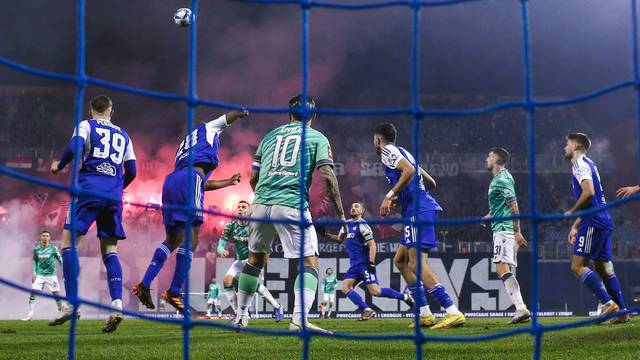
x: 182, y: 17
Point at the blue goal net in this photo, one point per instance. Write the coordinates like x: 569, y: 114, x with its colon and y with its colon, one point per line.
x: 419, y: 113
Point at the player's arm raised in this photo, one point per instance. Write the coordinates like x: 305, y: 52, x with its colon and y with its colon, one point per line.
x: 234, y: 115
x: 627, y: 191
x: 222, y: 243
x: 219, y: 184
x: 408, y: 172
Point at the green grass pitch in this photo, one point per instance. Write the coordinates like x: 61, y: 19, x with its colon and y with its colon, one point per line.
x: 137, y: 339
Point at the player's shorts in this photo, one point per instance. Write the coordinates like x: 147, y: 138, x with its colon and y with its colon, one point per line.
x: 360, y: 273
x: 593, y: 243
x: 236, y: 269
x: 505, y: 248
x: 51, y: 282
x: 106, y: 213
x: 329, y: 298
x: 175, y: 191
x: 261, y: 234
x: 425, y: 233
x: 215, y: 302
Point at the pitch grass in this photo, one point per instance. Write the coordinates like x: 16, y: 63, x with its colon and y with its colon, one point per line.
x: 139, y: 340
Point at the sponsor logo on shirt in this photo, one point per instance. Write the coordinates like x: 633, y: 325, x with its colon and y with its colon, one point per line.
x: 107, y: 169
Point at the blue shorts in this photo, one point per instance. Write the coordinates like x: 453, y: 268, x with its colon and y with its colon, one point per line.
x: 106, y: 213
x: 425, y: 233
x: 175, y: 191
x: 593, y: 243
x: 360, y: 273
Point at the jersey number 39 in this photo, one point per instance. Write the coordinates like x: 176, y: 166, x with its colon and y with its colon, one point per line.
x: 107, y: 142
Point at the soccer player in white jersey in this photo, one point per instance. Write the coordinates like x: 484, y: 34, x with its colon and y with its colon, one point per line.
x: 590, y: 234
x: 408, y: 189
x: 507, y: 237
x: 44, y: 271
x: 108, y: 167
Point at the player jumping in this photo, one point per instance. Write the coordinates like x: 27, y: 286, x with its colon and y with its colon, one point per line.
x: 203, y: 143
x: 213, y: 298
x: 401, y: 174
x: 590, y: 235
x: 329, y: 283
x: 108, y: 167
x: 275, y: 178
x: 362, y: 257
x: 507, y: 237
x: 44, y: 271
x: 238, y: 232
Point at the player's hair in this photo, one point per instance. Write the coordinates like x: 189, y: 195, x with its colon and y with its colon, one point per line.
x: 244, y: 201
x: 295, y: 105
x: 359, y: 202
x: 387, y: 131
x: 502, y: 153
x: 100, y: 103
x: 329, y: 268
x: 45, y: 231
x: 581, y: 138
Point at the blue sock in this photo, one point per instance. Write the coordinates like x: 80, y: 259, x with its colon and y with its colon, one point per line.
x: 417, y: 291
x: 390, y: 293
x: 613, y: 288
x: 114, y: 275
x: 182, y: 269
x: 592, y: 281
x: 357, y: 299
x: 157, y: 262
x: 440, y: 295
x: 70, y: 271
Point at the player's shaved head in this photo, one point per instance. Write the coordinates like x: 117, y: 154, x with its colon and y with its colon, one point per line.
x: 502, y: 155
x: 357, y: 210
x: 387, y: 132
x: 101, y: 103
x: 581, y: 139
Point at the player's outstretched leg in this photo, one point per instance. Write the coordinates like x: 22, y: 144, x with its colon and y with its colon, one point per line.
x: 114, y: 280
x: 348, y: 284
x: 247, y: 287
x: 141, y: 290
x: 230, y: 293
x: 173, y: 295
x: 32, y: 304
x: 277, y: 308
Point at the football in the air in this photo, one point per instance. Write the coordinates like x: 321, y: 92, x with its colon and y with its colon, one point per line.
x: 182, y: 17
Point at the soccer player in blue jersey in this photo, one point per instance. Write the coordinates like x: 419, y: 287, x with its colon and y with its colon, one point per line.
x: 108, y: 167
x: 362, y: 257
x: 203, y: 143
x: 590, y: 235
x: 409, y: 191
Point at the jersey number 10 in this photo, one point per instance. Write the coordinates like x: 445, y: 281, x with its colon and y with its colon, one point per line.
x: 280, y: 151
x: 108, y: 141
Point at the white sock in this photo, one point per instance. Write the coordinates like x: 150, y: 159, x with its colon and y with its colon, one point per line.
x: 324, y: 309
x: 32, y: 305
x: 232, y: 298
x: 330, y: 309
x: 425, y: 311
x: 452, y: 310
x: 513, y: 288
x: 59, y: 304
x: 117, y: 304
x: 309, y: 297
x: 264, y: 292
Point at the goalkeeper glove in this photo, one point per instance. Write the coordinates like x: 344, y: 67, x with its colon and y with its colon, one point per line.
x: 371, y: 268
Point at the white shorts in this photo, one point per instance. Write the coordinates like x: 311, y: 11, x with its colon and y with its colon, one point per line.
x: 330, y: 298
x: 261, y: 234
x: 505, y: 249
x: 236, y: 268
x: 50, y: 281
x: 213, y: 301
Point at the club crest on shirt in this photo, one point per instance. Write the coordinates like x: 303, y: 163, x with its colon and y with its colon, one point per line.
x: 107, y: 169
x: 393, y: 158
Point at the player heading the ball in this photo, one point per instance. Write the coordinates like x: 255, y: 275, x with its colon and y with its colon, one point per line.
x: 203, y: 143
